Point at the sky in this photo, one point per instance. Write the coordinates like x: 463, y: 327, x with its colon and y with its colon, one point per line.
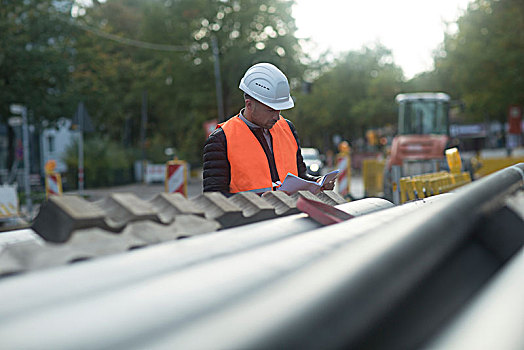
x: 411, y: 29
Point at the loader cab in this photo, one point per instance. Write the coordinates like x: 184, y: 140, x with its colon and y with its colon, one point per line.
x: 423, y: 114
x: 423, y: 128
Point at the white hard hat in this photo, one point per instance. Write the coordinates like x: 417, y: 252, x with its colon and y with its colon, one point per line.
x: 268, y: 85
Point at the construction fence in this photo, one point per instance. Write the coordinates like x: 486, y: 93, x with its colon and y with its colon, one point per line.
x: 373, y: 177
x: 486, y: 166
x: 427, y: 185
x: 373, y: 173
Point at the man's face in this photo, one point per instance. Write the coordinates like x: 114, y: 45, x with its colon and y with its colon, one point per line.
x: 262, y: 115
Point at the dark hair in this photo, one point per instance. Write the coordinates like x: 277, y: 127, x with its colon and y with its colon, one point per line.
x: 248, y: 97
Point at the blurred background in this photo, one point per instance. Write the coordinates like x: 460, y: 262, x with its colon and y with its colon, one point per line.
x: 145, y: 81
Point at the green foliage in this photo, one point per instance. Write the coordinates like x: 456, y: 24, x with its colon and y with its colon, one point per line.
x: 355, y: 94
x: 35, y: 57
x: 483, y: 62
x: 180, y: 84
x: 106, y: 163
x: 111, y: 76
x: 428, y: 81
x: 249, y: 32
x: 37, y: 197
x: 50, y: 61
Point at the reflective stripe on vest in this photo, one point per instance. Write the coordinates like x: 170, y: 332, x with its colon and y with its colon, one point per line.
x: 249, y: 164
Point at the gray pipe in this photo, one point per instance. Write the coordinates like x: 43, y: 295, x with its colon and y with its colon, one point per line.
x: 133, y: 266
x: 332, y: 282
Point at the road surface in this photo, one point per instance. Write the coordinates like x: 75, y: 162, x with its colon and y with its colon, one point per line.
x: 194, y: 188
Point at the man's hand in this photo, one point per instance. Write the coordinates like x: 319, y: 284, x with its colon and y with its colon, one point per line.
x: 328, y: 186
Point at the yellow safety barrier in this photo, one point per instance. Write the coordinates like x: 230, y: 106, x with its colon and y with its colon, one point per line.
x: 454, y: 161
x: 373, y: 172
x: 426, y: 185
x: 486, y: 166
x: 373, y: 176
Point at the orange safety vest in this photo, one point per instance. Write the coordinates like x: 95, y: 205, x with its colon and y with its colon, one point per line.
x: 248, y: 161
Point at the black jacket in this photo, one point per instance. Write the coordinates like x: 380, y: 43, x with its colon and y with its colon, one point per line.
x: 217, y: 171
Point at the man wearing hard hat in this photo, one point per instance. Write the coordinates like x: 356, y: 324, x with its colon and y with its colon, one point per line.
x: 254, y: 150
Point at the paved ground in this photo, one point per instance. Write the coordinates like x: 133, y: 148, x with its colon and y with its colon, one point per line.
x: 149, y: 191
x: 141, y: 190
x: 194, y: 188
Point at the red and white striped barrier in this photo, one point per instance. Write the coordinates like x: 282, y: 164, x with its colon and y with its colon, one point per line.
x: 176, y: 177
x: 53, y: 184
x: 344, y: 177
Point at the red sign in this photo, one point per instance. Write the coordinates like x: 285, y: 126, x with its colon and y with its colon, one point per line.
x: 515, y: 120
x: 19, y: 150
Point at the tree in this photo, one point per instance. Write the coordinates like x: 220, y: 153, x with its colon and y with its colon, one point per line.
x: 35, y: 57
x: 106, y: 75
x: 110, y: 76
x: 355, y: 94
x: 483, y: 61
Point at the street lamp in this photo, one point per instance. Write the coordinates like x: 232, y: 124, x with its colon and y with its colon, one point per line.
x: 22, y: 110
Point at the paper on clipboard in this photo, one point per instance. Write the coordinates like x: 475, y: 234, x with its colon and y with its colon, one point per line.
x: 293, y: 183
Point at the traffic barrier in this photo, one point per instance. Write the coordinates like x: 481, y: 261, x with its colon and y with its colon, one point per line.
x: 154, y: 173
x: 486, y: 166
x: 344, y: 177
x: 8, y: 201
x: 176, y: 177
x: 373, y: 176
x: 453, y: 160
x: 53, y: 180
x: 427, y: 185
x: 53, y: 184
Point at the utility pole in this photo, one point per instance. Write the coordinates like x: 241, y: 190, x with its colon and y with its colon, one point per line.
x: 25, y: 141
x: 143, y: 133
x: 81, y: 123
x: 81, y: 110
x: 218, y: 79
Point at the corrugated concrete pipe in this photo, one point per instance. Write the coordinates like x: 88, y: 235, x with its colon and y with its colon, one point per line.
x: 119, y: 270
x: 496, y: 317
x: 338, y: 298
x: 318, y: 289
x: 138, y: 293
